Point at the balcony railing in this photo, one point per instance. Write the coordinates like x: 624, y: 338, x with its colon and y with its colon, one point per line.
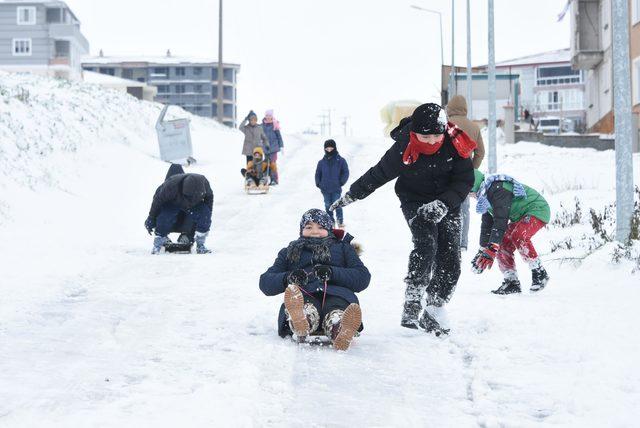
x: 60, y: 60
x: 558, y: 107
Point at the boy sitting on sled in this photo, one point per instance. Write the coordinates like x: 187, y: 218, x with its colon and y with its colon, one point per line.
x: 319, y: 274
x: 257, y: 172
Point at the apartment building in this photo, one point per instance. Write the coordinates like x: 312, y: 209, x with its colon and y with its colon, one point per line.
x: 191, y: 83
x: 41, y: 37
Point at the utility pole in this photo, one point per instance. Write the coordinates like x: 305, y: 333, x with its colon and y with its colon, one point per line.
x: 623, y: 119
x: 345, y: 121
x: 469, y: 71
x: 453, y: 47
x: 327, y: 115
x: 220, y: 83
x: 493, y: 162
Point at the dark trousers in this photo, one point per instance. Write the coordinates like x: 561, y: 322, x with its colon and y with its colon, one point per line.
x: 249, y: 158
x: 329, y: 198
x: 434, y: 263
x: 172, y: 218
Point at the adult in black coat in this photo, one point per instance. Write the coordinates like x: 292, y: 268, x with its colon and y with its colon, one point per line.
x: 325, y: 271
x: 431, y: 161
x: 183, y: 203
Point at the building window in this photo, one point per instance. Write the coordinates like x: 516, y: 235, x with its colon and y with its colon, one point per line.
x: 163, y: 89
x: 27, y: 15
x: 635, y: 11
x: 559, y: 75
x: 197, y: 71
x: 214, y: 74
x: 228, y: 74
x: 54, y: 15
x: 180, y: 89
x: 62, y: 49
x: 161, y: 72
x: 228, y: 110
x: 107, y: 70
x: 22, y: 47
x: 180, y: 71
x: 127, y: 73
x: 227, y: 93
x: 198, y: 88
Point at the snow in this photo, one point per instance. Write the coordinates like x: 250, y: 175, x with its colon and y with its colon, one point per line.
x: 95, y: 331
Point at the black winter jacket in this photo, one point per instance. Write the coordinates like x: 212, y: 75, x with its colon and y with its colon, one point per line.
x: 494, y: 226
x: 445, y: 175
x: 170, y: 192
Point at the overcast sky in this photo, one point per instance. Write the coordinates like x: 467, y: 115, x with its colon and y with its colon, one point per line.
x: 302, y: 56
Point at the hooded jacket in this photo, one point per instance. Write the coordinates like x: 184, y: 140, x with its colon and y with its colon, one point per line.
x: 254, y: 136
x: 457, y: 112
x: 332, y: 173
x: 274, y: 136
x: 445, y: 175
x: 349, y: 274
x: 172, y: 191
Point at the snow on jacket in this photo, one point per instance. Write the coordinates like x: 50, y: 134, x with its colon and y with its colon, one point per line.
x: 254, y: 136
x: 349, y: 275
x: 332, y: 173
x: 170, y: 192
x: 274, y: 137
x: 445, y: 175
x: 457, y: 112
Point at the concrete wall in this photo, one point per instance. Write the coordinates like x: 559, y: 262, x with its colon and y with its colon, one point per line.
x: 567, y: 141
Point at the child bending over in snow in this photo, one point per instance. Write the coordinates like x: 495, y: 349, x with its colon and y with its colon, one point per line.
x: 319, y: 274
x: 511, y: 214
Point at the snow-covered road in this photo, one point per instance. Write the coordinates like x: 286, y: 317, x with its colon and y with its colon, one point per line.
x: 95, y: 331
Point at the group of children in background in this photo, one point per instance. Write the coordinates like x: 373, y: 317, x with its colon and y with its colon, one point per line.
x: 262, y: 143
x: 320, y: 272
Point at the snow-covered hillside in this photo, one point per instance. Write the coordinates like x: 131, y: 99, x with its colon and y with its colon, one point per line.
x: 94, y: 331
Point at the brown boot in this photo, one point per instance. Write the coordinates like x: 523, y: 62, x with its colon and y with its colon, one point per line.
x: 294, y: 304
x: 342, y: 332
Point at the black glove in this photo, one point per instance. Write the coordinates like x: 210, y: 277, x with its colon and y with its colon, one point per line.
x: 149, y: 224
x: 323, y: 272
x: 343, y: 201
x: 433, y: 211
x: 251, y: 113
x: 298, y: 277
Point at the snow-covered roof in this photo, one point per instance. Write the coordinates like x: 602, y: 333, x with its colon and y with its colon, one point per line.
x: 106, y: 79
x: 153, y: 60
x: 550, y: 57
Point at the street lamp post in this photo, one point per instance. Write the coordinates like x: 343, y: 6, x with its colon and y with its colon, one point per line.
x: 441, y: 43
x: 220, y: 83
x: 493, y: 162
x: 469, y: 71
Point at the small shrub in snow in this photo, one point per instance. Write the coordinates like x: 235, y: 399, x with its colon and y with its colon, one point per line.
x: 568, y: 217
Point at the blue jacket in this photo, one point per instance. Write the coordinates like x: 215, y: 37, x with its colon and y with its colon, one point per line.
x: 349, y: 275
x: 274, y: 137
x: 332, y: 173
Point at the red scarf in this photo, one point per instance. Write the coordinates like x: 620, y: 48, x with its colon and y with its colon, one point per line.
x: 463, y: 144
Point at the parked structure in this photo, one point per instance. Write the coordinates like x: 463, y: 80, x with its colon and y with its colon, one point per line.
x: 140, y: 90
x: 190, y: 83
x: 591, y: 51
x: 41, y: 37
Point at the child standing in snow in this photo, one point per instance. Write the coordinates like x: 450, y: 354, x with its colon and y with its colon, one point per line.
x: 332, y: 173
x: 511, y: 214
x: 319, y: 274
x: 430, y: 159
x: 271, y: 128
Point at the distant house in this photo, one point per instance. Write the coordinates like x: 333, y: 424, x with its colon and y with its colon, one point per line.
x: 591, y: 51
x: 544, y: 84
x: 41, y: 37
x: 191, y: 83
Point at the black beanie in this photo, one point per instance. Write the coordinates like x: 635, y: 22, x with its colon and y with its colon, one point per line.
x: 330, y: 143
x: 428, y: 118
x: 193, y: 187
